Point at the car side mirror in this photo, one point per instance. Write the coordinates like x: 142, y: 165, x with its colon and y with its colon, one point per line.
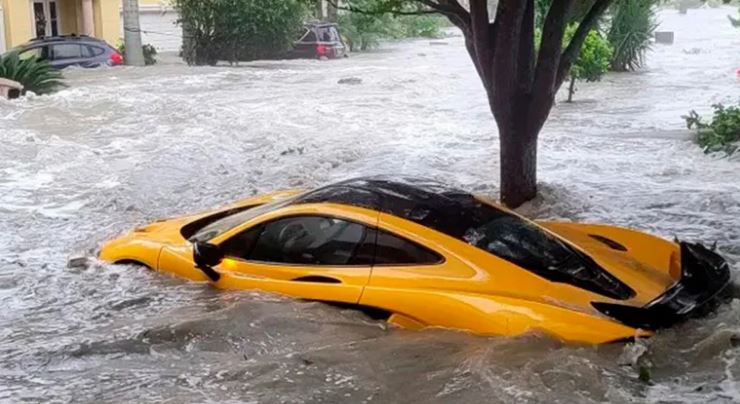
x: 206, y: 255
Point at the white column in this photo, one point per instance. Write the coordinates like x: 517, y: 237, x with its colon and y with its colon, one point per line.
x: 88, y: 18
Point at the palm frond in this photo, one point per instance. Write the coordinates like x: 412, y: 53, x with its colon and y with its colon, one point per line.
x: 34, y: 74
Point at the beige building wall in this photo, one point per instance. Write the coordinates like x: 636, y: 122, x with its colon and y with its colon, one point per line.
x: 18, y: 20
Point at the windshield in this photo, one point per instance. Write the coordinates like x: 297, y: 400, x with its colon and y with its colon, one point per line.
x: 228, y: 222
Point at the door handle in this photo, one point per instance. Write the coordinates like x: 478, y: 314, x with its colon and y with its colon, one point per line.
x: 317, y: 279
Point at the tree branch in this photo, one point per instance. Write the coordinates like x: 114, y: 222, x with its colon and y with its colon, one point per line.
x: 353, y: 9
x: 551, y: 47
x: 526, y: 49
x: 570, y: 54
x: 505, y: 32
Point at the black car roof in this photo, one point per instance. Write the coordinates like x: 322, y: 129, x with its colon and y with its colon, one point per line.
x: 64, y: 38
x: 426, y: 202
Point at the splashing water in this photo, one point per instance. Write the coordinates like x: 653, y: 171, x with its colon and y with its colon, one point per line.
x: 124, y: 146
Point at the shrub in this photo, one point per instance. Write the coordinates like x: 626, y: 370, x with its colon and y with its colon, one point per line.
x: 150, y: 53
x: 722, y: 133
x: 592, y: 62
x: 237, y: 30
x: 34, y: 74
x: 633, y: 25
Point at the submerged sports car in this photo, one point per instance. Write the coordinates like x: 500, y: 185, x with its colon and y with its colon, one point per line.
x: 426, y: 255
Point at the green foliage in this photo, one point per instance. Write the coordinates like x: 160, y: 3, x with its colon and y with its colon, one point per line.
x: 150, y: 53
x: 365, y: 30
x: 633, y: 24
x: 592, y: 62
x: 722, y: 133
x: 237, y: 30
x: 34, y: 74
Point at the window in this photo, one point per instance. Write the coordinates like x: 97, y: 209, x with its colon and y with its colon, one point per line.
x: 306, y: 240
x: 309, y: 36
x: 393, y: 250
x: 92, y: 51
x: 33, y: 52
x: 66, y: 51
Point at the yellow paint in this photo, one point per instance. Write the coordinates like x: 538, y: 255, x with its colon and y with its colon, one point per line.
x: 470, y: 290
x: 19, y: 27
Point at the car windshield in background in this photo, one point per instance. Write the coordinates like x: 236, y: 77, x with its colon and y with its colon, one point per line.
x: 227, y: 223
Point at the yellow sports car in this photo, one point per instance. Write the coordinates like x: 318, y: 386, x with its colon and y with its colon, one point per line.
x: 426, y: 255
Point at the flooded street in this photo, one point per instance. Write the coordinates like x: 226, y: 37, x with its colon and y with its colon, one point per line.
x: 121, y: 147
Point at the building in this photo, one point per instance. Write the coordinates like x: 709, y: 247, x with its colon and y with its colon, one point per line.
x: 22, y: 20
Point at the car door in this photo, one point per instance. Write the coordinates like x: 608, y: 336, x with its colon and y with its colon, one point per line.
x: 307, y: 255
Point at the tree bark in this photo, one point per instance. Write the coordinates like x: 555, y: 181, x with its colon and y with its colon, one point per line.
x: 518, y: 157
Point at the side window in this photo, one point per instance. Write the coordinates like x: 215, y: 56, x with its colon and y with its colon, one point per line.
x: 393, y: 250
x: 305, y: 240
x: 41, y: 52
x: 309, y: 36
x: 241, y: 245
x: 66, y: 51
x: 91, y: 51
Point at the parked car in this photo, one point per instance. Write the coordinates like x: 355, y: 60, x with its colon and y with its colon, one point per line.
x: 71, y: 50
x: 320, y: 40
x: 421, y: 254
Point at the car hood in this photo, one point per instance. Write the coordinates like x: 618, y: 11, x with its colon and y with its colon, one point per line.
x: 647, y: 264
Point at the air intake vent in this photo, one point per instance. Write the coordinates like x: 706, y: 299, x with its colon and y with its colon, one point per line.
x: 609, y: 242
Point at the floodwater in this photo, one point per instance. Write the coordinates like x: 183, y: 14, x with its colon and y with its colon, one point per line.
x: 121, y: 147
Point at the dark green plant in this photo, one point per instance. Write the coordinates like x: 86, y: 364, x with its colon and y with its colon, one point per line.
x: 150, y: 53
x: 722, y: 134
x: 235, y: 30
x: 593, y: 61
x: 34, y: 74
x: 633, y: 25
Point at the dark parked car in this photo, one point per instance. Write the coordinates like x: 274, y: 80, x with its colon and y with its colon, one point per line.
x: 71, y: 50
x: 319, y: 40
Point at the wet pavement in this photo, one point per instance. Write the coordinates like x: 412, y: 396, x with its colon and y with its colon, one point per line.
x: 124, y: 146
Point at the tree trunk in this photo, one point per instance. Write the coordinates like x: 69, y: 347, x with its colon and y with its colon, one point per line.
x: 518, y: 157
x: 571, y: 88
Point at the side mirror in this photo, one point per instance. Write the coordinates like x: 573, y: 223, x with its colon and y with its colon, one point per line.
x: 205, y: 256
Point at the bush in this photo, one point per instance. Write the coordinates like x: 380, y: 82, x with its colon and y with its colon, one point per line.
x: 150, y: 53
x: 633, y: 25
x: 237, y: 30
x: 592, y: 62
x: 34, y: 74
x: 722, y: 134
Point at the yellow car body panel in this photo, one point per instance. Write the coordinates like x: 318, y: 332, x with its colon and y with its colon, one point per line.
x: 470, y: 289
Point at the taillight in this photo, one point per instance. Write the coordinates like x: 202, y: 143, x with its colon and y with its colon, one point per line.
x: 322, y: 50
x: 116, y: 59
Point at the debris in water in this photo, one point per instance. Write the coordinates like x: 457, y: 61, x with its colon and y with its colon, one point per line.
x: 644, y: 374
x: 78, y: 261
x: 350, y: 80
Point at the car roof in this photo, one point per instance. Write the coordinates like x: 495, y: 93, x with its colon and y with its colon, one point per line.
x: 64, y: 38
x: 426, y: 202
